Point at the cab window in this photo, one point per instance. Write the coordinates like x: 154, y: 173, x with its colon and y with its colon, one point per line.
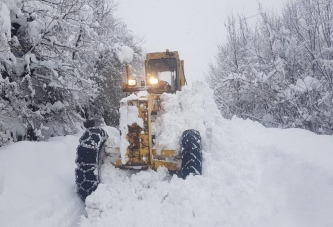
x: 164, y: 69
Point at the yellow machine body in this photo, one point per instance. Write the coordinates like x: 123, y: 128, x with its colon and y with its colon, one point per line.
x: 164, y: 72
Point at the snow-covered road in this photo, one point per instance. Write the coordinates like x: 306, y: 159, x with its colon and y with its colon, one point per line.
x: 252, y: 176
x: 37, y: 184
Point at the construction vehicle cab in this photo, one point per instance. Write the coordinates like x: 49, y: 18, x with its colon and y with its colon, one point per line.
x: 164, y: 73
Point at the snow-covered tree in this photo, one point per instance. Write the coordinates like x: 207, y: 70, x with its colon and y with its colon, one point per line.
x: 56, y: 58
x: 280, y: 73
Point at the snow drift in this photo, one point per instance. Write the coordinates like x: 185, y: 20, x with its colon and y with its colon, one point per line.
x: 252, y: 176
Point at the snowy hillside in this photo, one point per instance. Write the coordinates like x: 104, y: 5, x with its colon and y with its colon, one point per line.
x: 252, y: 176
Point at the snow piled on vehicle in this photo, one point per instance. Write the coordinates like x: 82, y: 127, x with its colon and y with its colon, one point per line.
x: 124, y: 54
x: 128, y: 116
x: 252, y: 176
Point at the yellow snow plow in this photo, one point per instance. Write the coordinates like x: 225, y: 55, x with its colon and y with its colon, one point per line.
x: 164, y: 73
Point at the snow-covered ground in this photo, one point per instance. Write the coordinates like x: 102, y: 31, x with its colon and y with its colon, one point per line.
x: 252, y: 176
x: 37, y: 184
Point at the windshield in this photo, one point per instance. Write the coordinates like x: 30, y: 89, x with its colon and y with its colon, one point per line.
x: 164, y: 69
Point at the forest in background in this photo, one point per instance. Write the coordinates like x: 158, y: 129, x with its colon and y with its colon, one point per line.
x: 280, y: 72
x: 60, y: 65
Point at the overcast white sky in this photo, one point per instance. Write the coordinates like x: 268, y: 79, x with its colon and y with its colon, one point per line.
x: 193, y: 27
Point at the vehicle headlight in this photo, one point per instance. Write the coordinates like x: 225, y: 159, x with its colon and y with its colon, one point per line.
x: 153, y: 81
x: 131, y: 82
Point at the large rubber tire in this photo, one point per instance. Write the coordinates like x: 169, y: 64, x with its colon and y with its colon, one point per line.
x: 88, y: 162
x: 191, y: 153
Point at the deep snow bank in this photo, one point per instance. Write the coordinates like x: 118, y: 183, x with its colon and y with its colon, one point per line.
x: 252, y: 176
x: 37, y: 184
